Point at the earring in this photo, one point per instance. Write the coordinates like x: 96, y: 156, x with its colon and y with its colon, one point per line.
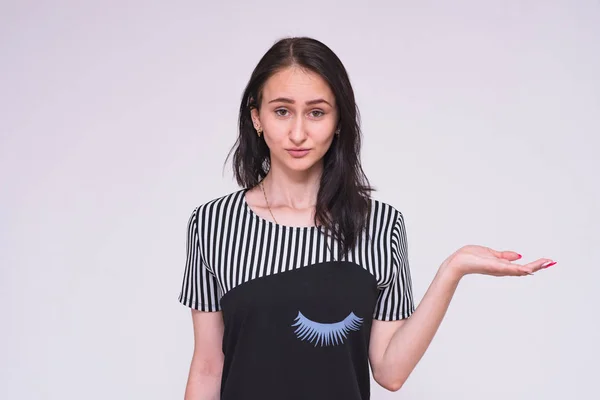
x: 337, y: 131
x: 259, y: 131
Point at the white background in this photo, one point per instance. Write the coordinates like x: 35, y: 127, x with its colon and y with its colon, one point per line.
x: 481, y: 124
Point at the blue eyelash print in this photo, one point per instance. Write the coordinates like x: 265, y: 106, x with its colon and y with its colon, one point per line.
x: 325, y: 334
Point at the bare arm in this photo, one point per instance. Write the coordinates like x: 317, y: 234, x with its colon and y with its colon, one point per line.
x: 397, y: 346
x: 204, y: 379
x: 404, y: 342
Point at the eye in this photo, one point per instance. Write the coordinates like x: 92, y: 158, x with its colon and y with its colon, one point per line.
x: 319, y: 113
x: 325, y: 334
x: 279, y: 110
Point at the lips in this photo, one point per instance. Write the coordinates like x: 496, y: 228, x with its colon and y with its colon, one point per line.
x: 298, y: 153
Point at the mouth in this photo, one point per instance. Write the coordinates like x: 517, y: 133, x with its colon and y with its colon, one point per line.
x: 297, y: 153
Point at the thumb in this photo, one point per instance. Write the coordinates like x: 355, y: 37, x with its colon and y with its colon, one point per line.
x: 506, y: 255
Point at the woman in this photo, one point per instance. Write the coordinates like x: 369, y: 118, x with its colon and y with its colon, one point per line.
x: 300, y: 282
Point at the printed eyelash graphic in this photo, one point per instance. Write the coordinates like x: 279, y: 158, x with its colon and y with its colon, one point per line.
x: 325, y: 334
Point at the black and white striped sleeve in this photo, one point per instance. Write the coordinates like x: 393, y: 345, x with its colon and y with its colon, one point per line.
x: 396, y: 300
x: 199, y: 289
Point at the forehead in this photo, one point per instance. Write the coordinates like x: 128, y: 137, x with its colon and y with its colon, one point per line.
x: 298, y: 84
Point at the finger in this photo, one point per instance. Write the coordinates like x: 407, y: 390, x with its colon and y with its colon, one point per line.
x: 524, y: 271
x: 506, y: 268
x: 540, y: 264
x: 536, y: 265
x: 506, y: 255
x: 512, y: 269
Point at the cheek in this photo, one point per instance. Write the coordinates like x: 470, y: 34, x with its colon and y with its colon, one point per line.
x: 324, y: 136
x: 277, y: 129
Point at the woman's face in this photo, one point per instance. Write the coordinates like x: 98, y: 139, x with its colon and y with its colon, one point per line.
x: 298, y: 116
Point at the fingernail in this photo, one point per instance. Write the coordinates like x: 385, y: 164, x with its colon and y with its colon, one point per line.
x: 520, y: 256
x: 548, y: 264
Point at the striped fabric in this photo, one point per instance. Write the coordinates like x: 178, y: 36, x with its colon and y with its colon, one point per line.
x: 228, y: 245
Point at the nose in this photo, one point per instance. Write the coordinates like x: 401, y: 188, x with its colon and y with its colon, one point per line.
x: 297, y: 131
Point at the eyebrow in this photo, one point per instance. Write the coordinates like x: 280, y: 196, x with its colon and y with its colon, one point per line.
x: 290, y: 101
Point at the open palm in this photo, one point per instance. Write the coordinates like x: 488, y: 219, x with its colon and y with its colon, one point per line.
x: 473, y: 259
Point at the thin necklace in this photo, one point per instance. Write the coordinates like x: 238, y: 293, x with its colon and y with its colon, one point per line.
x: 267, y: 201
x: 274, y: 219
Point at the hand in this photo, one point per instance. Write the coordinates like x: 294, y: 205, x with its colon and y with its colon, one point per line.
x: 474, y: 259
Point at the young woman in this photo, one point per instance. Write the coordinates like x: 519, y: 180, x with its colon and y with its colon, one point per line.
x: 300, y: 281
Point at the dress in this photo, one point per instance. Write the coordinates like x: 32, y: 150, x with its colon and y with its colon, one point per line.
x: 297, y: 321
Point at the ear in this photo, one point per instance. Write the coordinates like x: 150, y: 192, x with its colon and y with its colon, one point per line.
x: 255, y: 118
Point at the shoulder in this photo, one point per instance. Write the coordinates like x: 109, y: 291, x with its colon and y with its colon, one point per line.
x: 223, y: 199
x: 219, y: 206
x: 381, y: 209
x: 386, y: 217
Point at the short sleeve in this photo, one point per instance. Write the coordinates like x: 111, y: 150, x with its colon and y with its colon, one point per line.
x: 199, y: 289
x: 395, y: 300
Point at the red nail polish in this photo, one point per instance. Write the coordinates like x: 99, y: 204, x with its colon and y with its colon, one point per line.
x: 520, y: 256
x: 549, y: 265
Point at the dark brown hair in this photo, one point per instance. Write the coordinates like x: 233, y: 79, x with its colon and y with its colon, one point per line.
x: 343, y: 196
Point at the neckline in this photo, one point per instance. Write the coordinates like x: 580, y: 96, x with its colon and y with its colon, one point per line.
x: 268, y: 221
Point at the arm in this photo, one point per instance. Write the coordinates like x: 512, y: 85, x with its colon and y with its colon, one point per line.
x: 397, y: 346
x: 204, y: 379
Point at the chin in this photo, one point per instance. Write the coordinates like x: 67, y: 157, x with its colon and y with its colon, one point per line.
x: 299, y: 164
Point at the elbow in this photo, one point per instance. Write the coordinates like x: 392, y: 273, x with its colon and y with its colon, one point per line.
x: 393, y: 386
x: 389, y: 383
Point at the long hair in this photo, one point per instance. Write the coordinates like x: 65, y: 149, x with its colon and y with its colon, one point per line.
x: 343, y: 197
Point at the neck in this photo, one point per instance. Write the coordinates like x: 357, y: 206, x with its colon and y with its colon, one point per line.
x: 293, y: 189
